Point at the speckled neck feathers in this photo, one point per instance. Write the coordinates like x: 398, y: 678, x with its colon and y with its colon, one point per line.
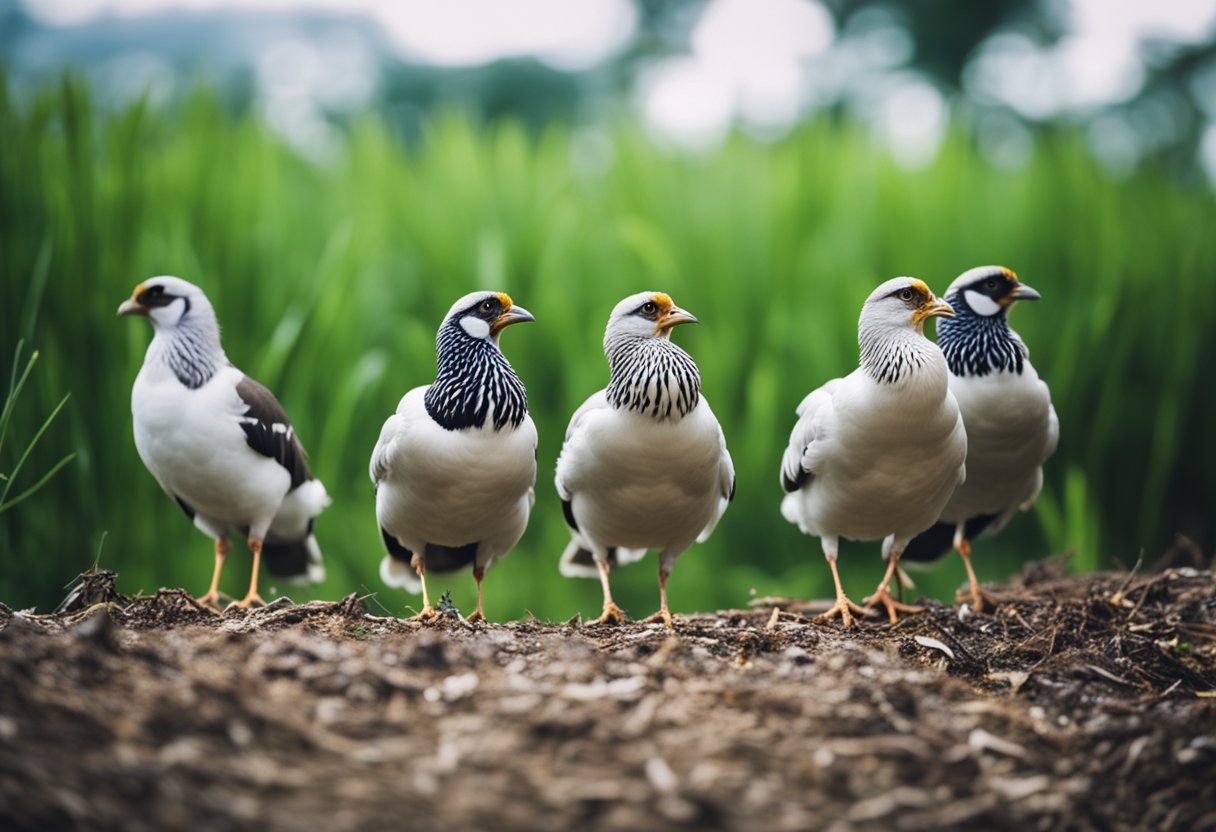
x: 976, y: 345
x: 191, y: 349
x: 652, y: 376
x: 891, y: 356
x: 475, y: 384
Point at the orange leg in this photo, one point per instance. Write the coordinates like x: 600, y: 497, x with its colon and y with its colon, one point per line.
x: 251, y: 597
x: 843, y: 606
x: 612, y: 613
x: 212, y: 598
x: 977, y: 594
x: 882, y: 596
x: 480, y: 614
x: 664, y: 614
x: 428, y: 613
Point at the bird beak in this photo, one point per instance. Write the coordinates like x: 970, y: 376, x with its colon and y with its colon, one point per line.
x: 132, y: 307
x: 674, y: 317
x: 513, y: 315
x: 1021, y: 292
x: 933, y: 309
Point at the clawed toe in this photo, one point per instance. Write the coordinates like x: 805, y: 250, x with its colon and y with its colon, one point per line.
x: 891, y: 605
x: 845, y: 609
x: 612, y: 615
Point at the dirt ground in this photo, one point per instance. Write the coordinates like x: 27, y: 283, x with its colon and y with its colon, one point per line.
x: 1080, y: 703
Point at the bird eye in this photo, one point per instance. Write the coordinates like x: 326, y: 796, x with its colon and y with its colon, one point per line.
x: 487, y: 306
x: 906, y: 294
x: 649, y: 308
x: 154, y: 291
x: 992, y: 283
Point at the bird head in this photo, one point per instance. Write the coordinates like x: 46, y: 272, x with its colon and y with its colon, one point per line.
x: 902, y: 302
x: 988, y: 290
x: 484, y: 315
x: 165, y: 301
x: 646, y: 315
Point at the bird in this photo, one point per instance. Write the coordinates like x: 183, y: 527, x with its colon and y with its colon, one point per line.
x: 455, y: 465
x: 219, y: 443
x: 644, y: 464
x: 878, y: 453
x: 1011, y: 424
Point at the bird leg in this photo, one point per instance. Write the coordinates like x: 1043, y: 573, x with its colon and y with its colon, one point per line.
x: 978, y: 596
x: 664, y: 614
x: 883, y: 596
x: 843, y: 606
x: 251, y: 597
x: 428, y: 613
x: 480, y: 614
x: 212, y: 598
x: 612, y: 613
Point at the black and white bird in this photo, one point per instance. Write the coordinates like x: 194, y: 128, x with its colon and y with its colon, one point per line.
x: 455, y: 466
x: 877, y: 454
x: 1011, y: 425
x: 644, y: 464
x: 219, y: 443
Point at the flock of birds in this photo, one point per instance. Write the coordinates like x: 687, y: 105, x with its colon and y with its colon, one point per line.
x: 923, y: 446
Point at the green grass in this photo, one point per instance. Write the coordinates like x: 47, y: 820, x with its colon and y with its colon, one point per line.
x: 330, y: 280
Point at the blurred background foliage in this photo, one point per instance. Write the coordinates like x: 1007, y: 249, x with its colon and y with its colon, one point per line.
x: 331, y: 257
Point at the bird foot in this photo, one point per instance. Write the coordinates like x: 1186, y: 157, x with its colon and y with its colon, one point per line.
x: 428, y: 615
x: 845, y: 609
x: 662, y: 616
x: 475, y: 616
x: 892, y: 606
x: 251, y: 600
x: 210, y: 602
x: 612, y: 615
x: 979, y: 598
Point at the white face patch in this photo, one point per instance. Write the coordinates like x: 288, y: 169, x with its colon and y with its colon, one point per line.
x: 475, y: 326
x: 168, y: 316
x: 981, y: 304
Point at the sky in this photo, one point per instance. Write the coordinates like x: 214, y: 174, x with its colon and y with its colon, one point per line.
x: 762, y: 64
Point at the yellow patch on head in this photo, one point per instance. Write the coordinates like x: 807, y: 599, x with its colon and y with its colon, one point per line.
x: 1009, y: 274
x: 663, y: 301
x: 923, y: 288
x: 505, y: 300
x: 139, y: 290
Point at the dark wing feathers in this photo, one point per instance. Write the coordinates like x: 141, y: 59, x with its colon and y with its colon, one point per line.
x: 438, y: 558
x: 268, y: 430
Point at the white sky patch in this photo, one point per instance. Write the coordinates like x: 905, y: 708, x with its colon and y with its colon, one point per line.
x: 749, y: 61
x: 1097, y: 63
x: 564, y: 34
x: 912, y: 118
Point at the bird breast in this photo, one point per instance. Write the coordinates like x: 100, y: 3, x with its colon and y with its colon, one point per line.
x: 1007, y: 416
x: 454, y: 487
x: 193, y: 444
x: 641, y: 483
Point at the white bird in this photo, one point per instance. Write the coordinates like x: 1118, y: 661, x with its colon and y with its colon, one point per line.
x: 644, y: 464
x: 1011, y: 426
x: 877, y: 454
x: 219, y: 443
x: 455, y: 466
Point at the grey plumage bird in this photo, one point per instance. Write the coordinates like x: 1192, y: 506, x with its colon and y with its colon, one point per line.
x: 644, y: 464
x: 219, y: 443
x: 1011, y: 425
x: 455, y: 465
x: 877, y: 454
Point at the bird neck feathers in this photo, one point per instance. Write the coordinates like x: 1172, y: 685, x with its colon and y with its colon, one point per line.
x: 976, y: 345
x: 190, y: 350
x: 475, y: 384
x: 653, y: 377
x: 893, y: 355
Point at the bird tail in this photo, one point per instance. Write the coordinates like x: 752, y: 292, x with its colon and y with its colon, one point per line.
x: 578, y: 561
x: 296, y: 562
x: 938, y: 539
x: 396, y: 568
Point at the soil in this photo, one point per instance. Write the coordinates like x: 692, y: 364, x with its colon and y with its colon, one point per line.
x: 1082, y: 702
